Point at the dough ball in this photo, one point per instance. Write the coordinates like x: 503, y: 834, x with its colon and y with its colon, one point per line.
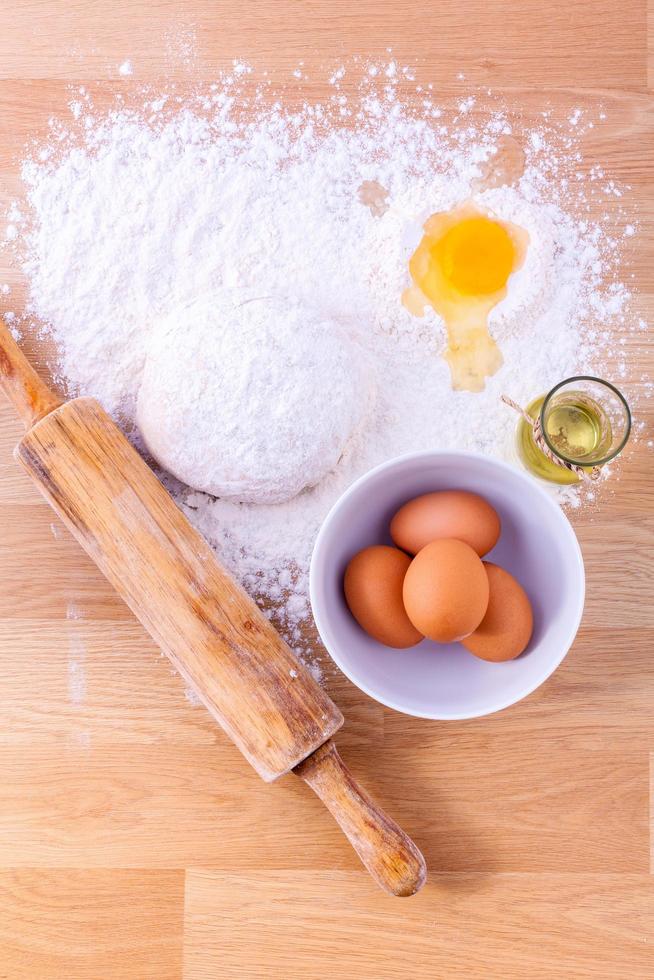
x: 251, y: 399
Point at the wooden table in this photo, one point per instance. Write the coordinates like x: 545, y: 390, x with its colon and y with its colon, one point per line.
x: 134, y: 840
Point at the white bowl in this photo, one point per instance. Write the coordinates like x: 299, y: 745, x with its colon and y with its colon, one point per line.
x: 443, y: 681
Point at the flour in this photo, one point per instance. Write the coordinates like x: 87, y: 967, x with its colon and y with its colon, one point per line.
x: 134, y: 214
x: 251, y: 398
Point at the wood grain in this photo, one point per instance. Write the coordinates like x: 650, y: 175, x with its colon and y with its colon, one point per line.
x: 31, y: 398
x: 469, y: 925
x: 215, y: 636
x: 132, y: 928
x: 220, y: 642
x: 537, y: 818
x: 392, y: 859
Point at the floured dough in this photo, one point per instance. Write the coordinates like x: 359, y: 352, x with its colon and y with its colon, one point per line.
x: 253, y: 400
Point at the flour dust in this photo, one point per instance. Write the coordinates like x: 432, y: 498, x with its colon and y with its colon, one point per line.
x: 132, y: 214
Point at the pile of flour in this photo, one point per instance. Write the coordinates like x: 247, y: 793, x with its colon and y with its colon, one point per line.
x: 132, y: 214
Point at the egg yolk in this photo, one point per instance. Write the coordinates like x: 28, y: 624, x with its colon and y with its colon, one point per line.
x: 461, y: 268
x: 476, y: 256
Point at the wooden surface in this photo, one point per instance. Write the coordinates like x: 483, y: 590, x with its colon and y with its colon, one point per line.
x: 134, y: 841
x: 220, y: 642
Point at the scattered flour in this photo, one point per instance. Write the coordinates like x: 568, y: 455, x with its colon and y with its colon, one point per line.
x: 76, y: 667
x: 192, y: 698
x: 73, y: 611
x: 134, y: 214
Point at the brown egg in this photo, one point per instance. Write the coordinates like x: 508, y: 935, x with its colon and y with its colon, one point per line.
x: 446, y: 590
x: 505, y: 630
x: 446, y: 514
x: 373, y: 591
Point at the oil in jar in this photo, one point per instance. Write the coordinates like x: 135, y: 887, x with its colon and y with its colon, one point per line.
x: 578, y: 428
x: 533, y: 458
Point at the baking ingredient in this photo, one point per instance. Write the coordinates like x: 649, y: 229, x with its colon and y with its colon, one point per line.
x: 446, y: 593
x: 445, y: 590
x: 461, y: 268
x: 504, y: 167
x: 231, y: 406
x: 534, y: 459
x: 373, y: 591
x: 446, y: 514
x: 578, y: 427
x: 506, y: 629
x: 232, y: 187
x: 584, y: 422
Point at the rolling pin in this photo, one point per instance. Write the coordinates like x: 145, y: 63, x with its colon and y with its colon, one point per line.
x: 214, y: 634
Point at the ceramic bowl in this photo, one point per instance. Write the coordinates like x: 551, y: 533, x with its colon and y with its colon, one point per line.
x: 443, y: 681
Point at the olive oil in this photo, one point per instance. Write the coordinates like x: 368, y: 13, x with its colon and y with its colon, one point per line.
x: 532, y: 457
x: 577, y: 429
x: 584, y: 422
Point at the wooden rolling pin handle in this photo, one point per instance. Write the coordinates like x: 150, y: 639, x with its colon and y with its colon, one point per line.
x: 30, y: 396
x: 389, y: 855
